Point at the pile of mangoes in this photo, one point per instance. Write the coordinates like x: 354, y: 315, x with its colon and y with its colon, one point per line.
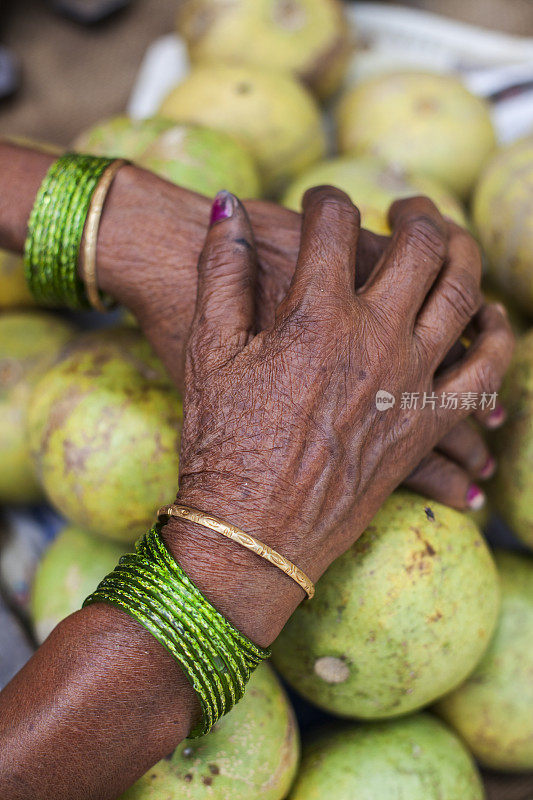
x: 420, y: 613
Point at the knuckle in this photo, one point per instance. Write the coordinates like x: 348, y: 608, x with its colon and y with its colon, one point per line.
x: 468, y: 246
x: 423, y: 234
x: 337, y: 209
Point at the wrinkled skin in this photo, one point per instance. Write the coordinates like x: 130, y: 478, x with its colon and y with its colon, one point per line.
x: 90, y: 676
x: 137, y: 264
x: 281, y: 431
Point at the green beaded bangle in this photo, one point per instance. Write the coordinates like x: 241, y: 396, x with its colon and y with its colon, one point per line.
x: 216, y: 658
x: 55, y: 230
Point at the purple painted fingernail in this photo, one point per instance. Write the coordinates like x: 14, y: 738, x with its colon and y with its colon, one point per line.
x: 496, y: 417
x: 475, y: 499
x: 489, y: 468
x: 223, y: 207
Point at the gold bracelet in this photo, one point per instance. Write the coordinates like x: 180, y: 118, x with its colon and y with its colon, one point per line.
x: 90, y: 236
x: 239, y: 536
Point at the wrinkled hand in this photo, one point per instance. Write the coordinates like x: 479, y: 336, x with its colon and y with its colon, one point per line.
x: 148, y: 245
x: 159, y: 282
x: 281, y: 433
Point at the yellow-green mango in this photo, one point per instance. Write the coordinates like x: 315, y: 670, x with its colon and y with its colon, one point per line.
x: 512, y: 485
x: 105, y: 427
x: 493, y: 710
x: 273, y: 115
x: 14, y: 291
x: 71, y: 568
x: 416, y: 758
x: 424, y: 122
x: 400, y: 619
x: 310, y: 38
x: 191, y: 156
x: 29, y: 343
x: 250, y: 753
x: 503, y: 216
x: 372, y: 186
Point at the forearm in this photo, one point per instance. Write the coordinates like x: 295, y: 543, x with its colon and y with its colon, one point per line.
x: 151, y: 234
x: 101, y: 691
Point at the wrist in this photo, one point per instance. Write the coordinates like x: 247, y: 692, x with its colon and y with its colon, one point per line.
x: 253, y: 594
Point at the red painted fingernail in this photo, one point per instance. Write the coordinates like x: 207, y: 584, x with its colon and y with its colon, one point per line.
x: 475, y: 499
x: 223, y: 207
x: 496, y: 417
x: 489, y: 468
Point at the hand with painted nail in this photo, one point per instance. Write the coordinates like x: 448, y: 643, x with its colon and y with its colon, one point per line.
x: 148, y: 245
x: 288, y: 433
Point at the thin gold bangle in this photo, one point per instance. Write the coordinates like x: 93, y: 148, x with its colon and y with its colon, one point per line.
x: 90, y: 236
x: 239, y: 536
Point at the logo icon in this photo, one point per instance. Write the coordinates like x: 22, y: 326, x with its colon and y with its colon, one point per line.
x: 384, y: 400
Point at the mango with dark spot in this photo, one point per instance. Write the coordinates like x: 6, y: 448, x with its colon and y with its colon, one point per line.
x: 400, y: 619
x: 310, y: 38
x: 416, y: 758
x: 105, y: 427
x: 69, y: 571
x: 29, y: 343
x: 511, y: 489
x: 269, y: 112
x: 492, y: 710
x: 427, y: 123
x: 252, y: 752
x: 503, y: 215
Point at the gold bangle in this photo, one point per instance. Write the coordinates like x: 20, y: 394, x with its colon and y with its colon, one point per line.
x: 239, y: 536
x: 90, y: 236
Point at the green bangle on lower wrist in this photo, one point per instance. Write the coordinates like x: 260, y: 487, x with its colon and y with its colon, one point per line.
x: 216, y: 658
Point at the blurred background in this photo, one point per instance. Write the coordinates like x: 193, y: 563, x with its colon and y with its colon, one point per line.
x: 73, y: 74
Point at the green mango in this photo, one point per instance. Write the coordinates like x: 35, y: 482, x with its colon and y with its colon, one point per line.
x: 271, y: 113
x: 372, y: 186
x: 29, y: 343
x: 427, y: 123
x: 104, y: 428
x: 310, y: 38
x: 502, y: 210
x: 415, y: 758
x: 398, y: 620
x: 71, y: 568
x: 252, y: 752
x: 511, y: 489
x: 493, y: 710
x: 191, y: 156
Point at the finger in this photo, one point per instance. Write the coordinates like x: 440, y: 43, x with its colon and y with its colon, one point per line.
x: 480, y: 372
x: 330, y: 231
x: 412, y: 260
x: 466, y: 447
x: 440, y: 479
x: 493, y: 416
x: 224, y: 315
x: 454, y: 299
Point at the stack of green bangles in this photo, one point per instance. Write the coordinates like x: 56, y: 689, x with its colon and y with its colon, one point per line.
x: 55, y: 230
x: 216, y: 658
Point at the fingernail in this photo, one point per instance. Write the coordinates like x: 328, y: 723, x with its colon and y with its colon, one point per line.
x: 223, y: 207
x: 501, y: 308
x: 489, y: 468
x: 496, y: 417
x: 475, y: 499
